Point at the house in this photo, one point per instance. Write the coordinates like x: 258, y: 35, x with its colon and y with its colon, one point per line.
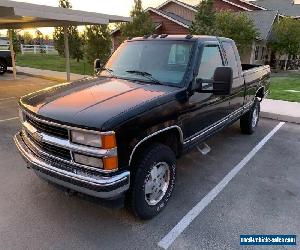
x: 175, y: 17
x: 285, y: 8
x: 260, y: 53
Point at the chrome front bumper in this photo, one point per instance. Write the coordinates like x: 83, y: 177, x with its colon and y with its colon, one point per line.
x: 98, y: 186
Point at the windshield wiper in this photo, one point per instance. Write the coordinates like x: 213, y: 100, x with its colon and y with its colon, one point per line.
x: 110, y: 71
x: 144, y: 74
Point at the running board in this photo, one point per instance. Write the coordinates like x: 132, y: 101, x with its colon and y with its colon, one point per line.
x: 204, y: 149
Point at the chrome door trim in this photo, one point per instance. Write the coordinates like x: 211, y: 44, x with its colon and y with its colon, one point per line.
x: 217, y: 124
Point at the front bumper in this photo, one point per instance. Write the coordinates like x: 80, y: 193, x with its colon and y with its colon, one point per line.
x: 98, y: 186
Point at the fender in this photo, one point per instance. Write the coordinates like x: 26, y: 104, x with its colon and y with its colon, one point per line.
x: 153, y: 134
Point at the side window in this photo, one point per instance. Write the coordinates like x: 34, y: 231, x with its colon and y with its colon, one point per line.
x: 211, y: 59
x: 179, y: 54
x: 231, y: 58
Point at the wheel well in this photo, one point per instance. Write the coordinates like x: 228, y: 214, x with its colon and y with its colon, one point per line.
x: 171, y: 138
x: 260, y: 92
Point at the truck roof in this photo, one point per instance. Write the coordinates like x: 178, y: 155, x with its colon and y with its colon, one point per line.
x: 181, y: 38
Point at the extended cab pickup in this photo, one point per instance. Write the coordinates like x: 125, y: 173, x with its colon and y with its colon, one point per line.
x: 121, y: 131
x: 5, y: 61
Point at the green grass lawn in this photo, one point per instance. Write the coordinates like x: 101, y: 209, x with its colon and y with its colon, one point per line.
x: 285, y: 88
x: 53, y: 62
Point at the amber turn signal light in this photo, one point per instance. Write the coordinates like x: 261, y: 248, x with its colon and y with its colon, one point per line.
x: 110, y: 163
x: 108, y: 141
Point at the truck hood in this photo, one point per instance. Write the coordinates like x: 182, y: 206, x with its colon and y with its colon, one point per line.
x: 94, y: 101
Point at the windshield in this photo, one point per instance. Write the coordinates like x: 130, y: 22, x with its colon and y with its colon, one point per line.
x: 160, y: 62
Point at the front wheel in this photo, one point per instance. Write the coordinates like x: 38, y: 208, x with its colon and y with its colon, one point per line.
x: 3, y: 67
x: 249, y: 120
x: 153, y: 181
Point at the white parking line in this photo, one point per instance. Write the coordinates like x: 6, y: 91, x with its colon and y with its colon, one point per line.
x: 9, y: 119
x: 8, y: 98
x: 196, y: 210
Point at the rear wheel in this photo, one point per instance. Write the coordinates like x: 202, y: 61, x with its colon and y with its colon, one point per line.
x: 3, y: 67
x: 250, y: 119
x: 153, y: 181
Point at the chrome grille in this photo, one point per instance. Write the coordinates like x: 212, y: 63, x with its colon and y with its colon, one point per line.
x: 47, y: 128
x: 50, y: 141
x: 49, y: 149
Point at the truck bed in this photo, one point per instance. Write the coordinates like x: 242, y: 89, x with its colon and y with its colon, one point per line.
x: 252, y: 72
x: 255, y: 78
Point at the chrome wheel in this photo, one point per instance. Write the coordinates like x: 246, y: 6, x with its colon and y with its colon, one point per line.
x: 254, y: 117
x: 157, y: 183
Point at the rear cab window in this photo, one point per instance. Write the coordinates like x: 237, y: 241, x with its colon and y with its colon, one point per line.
x: 231, y: 58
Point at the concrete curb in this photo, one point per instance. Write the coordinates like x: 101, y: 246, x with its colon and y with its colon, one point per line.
x: 281, y: 110
x: 48, y: 74
x: 279, y: 117
x: 57, y: 79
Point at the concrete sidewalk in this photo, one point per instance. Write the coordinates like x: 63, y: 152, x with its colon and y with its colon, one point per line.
x: 281, y: 110
x: 48, y: 74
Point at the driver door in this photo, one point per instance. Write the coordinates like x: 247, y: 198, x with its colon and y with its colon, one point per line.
x: 206, y: 109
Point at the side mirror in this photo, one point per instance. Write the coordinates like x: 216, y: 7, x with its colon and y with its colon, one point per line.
x: 223, y: 79
x: 97, y: 66
x: 220, y: 85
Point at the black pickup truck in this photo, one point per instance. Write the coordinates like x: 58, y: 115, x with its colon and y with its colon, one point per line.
x: 5, y: 61
x: 118, y: 134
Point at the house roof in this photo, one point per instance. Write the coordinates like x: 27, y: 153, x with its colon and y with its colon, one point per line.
x: 172, y: 17
x: 263, y: 21
x: 285, y: 7
x: 252, y: 3
x: 183, y: 4
x: 194, y: 7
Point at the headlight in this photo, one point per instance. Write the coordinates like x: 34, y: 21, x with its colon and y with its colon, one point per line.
x: 106, y: 141
x: 85, y: 138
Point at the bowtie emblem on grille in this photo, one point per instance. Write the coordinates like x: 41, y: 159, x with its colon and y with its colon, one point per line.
x: 37, y: 136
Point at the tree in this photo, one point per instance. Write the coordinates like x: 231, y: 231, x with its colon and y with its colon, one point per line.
x: 75, y: 40
x: 204, y: 22
x: 76, y: 43
x: 16, y: 41
x: 141, y: 23
x: 286, y: 39
x: 236, y: 26
x: 27, y: 38
x: 98, y: 42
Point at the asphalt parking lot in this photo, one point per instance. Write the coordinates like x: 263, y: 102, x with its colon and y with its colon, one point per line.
x: 263, y: 198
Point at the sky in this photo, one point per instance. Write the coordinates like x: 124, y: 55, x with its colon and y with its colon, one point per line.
x: 117, y: 7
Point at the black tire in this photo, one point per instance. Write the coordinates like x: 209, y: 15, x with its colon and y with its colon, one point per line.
x: 3, y: 67
x: 249, y: 120
x: 155, y: 156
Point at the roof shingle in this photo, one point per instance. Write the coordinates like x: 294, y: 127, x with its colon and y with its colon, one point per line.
x: 285, y: 7
x: 263, y: 21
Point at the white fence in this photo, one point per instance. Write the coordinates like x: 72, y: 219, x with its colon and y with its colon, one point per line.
x: 4, y: 47
x: 38, y: 49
